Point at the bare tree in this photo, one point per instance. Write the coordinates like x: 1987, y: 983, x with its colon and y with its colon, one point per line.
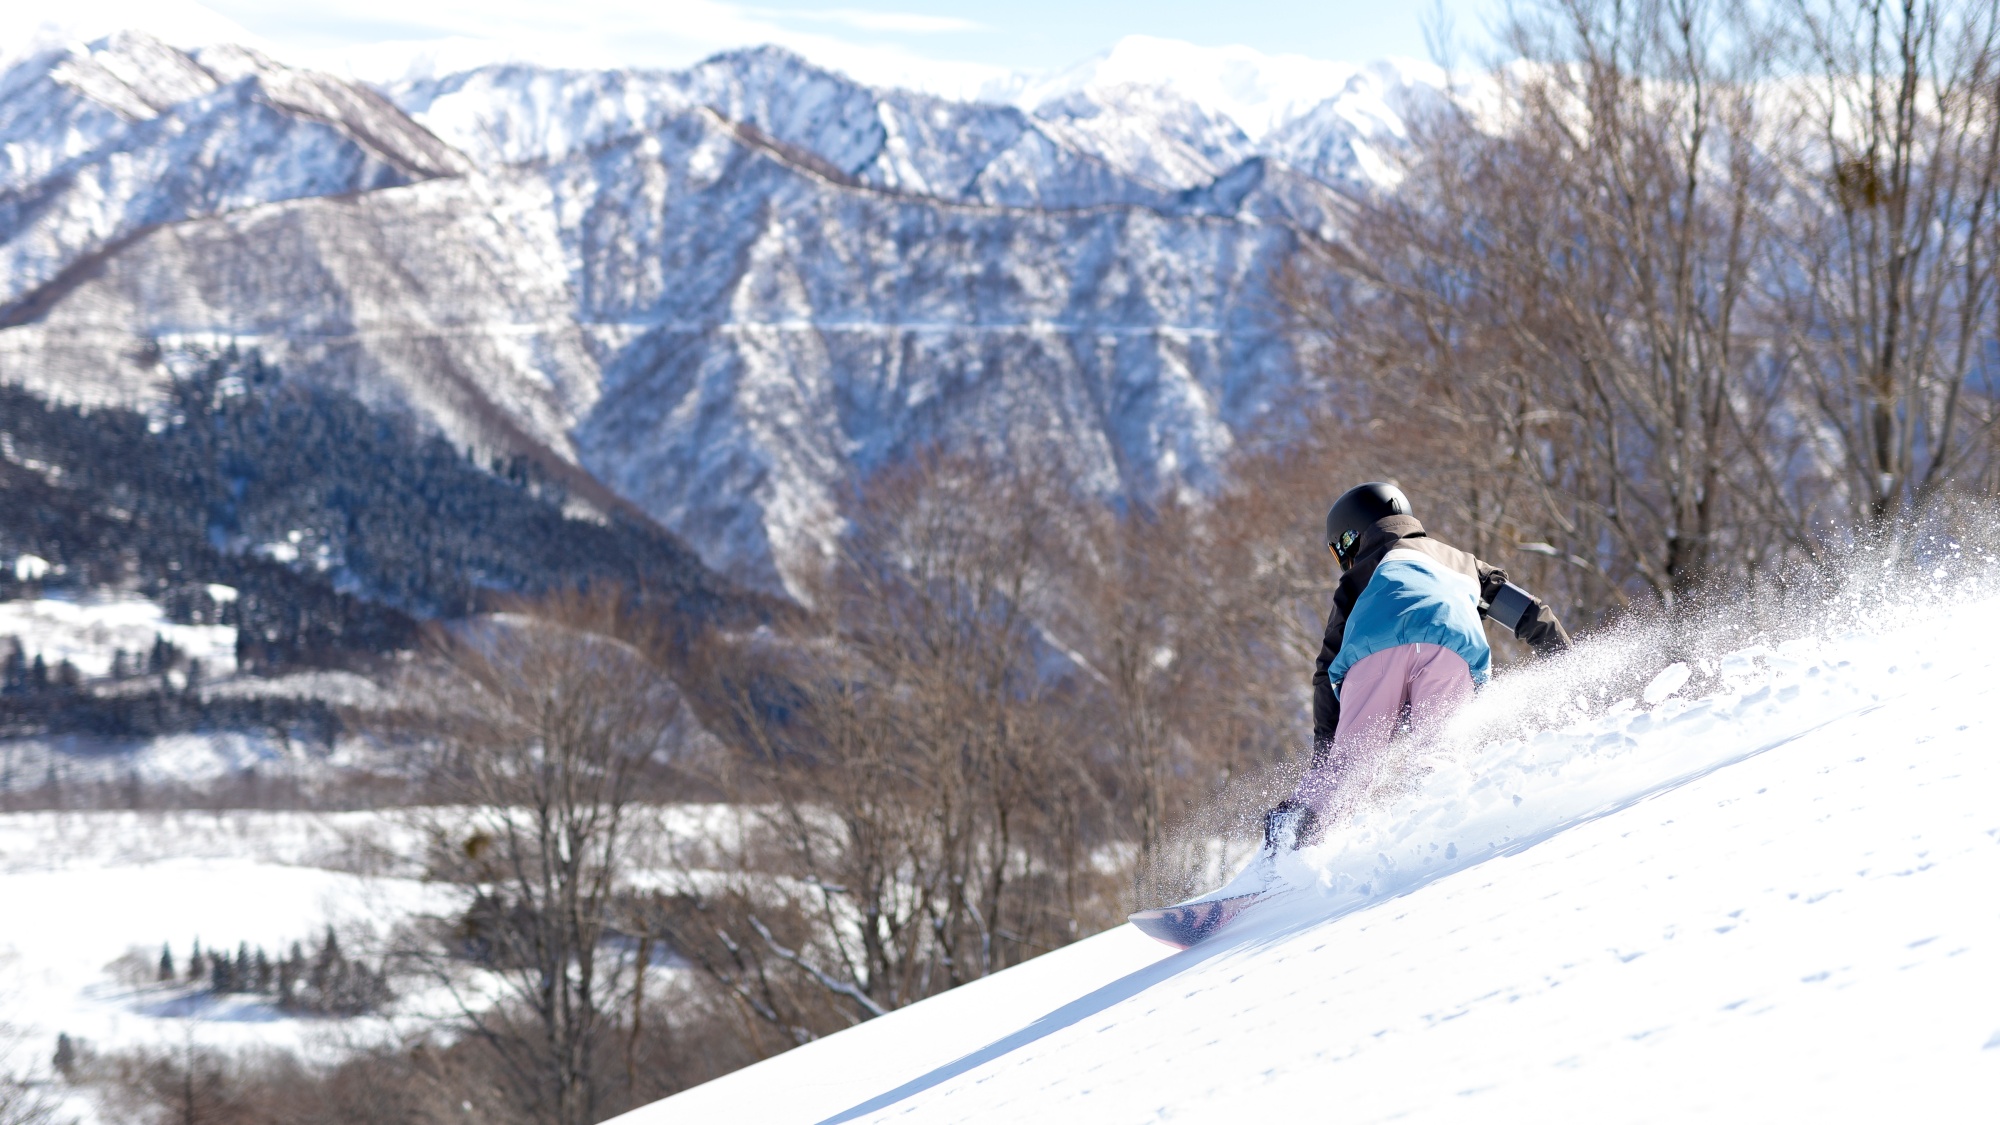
x: 1141, y: 622
x: 1884, y: 275
x: 23, y: 1101
x: 925, y: 802
x: 1620, y: 326
x: 1195, y: 626
x: 548, y: 722
x: 1677, y: 295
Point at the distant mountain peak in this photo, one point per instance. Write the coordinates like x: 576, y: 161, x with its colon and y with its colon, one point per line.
x: 1256, y: 92
x: 130, y: 73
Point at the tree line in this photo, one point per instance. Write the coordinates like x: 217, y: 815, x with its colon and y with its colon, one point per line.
x: 1685, y: 295
x: 341, y: 529
x: 341, y: 526
x: 327, y: 982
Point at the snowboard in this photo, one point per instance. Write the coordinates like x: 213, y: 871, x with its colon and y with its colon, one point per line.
x: 1185, y: 923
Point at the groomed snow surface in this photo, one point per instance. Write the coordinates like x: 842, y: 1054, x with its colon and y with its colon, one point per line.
x: 1766, y: 888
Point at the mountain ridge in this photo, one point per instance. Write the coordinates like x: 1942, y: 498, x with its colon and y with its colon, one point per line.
x: 728, y: 293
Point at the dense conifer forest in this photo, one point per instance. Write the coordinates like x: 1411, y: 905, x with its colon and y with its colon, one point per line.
x: 340, y: 529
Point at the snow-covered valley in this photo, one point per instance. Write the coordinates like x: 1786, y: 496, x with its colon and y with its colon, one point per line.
x: 1770, y: 901
x: 85, y: 890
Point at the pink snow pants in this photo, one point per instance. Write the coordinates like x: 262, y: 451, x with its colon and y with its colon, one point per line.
x: 1417, y: 684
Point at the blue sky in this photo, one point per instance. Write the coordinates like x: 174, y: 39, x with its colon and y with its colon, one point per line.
x: 932, y: 43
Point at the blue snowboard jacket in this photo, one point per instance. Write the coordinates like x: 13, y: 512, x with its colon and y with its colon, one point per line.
x: 1407, y: 588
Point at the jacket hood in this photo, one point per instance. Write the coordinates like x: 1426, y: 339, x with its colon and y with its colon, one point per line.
x: 1386, y: 530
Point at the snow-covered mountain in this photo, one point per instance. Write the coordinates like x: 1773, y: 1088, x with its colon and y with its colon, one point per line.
x: 128, y: 133
x: 1337, y: 121
x: 722, y: 292
x: 1769, y: 902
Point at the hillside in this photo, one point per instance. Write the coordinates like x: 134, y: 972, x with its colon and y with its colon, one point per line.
x: 224, y: 565
x: 721, y: 295
x: 1767, y: 899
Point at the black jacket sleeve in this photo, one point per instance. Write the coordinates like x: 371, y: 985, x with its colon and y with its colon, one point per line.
x: 1326, y: 705
x: 1539, y: 629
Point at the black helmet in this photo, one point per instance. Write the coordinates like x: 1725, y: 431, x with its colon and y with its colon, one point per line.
x: 1356, y: 511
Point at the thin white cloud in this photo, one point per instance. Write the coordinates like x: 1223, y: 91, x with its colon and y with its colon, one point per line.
x: 371, y: 40
x: 181, y: 22
x: 864, y: 19
x: 386, y: 40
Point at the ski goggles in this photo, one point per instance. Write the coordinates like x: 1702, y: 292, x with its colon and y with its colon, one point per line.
x: 1343, y: 547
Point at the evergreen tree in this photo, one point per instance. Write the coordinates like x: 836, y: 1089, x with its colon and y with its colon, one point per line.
x: 288, y: 977
x: 196, y: 967
x: 321, y: 979
x: 166, y: 964
x: 65, y: 1056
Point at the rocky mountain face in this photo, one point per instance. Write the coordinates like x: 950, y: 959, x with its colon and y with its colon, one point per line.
x: 716, y: 297
x: 103, y: 143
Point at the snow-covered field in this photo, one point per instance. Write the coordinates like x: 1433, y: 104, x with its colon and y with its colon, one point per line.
x: 79, y: 891
x: 89, y: 631
x: 1775, y: 900
x: 186, y: 758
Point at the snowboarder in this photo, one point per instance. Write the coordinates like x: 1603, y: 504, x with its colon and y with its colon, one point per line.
x: 1404, y: 648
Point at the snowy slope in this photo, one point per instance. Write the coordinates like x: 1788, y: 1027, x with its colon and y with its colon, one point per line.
x: 1771, y: 902
x: 89, y: 632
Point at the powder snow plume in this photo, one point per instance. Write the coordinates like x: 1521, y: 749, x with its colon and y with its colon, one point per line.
x: 1649, y: 706
x: 1736, y: 866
